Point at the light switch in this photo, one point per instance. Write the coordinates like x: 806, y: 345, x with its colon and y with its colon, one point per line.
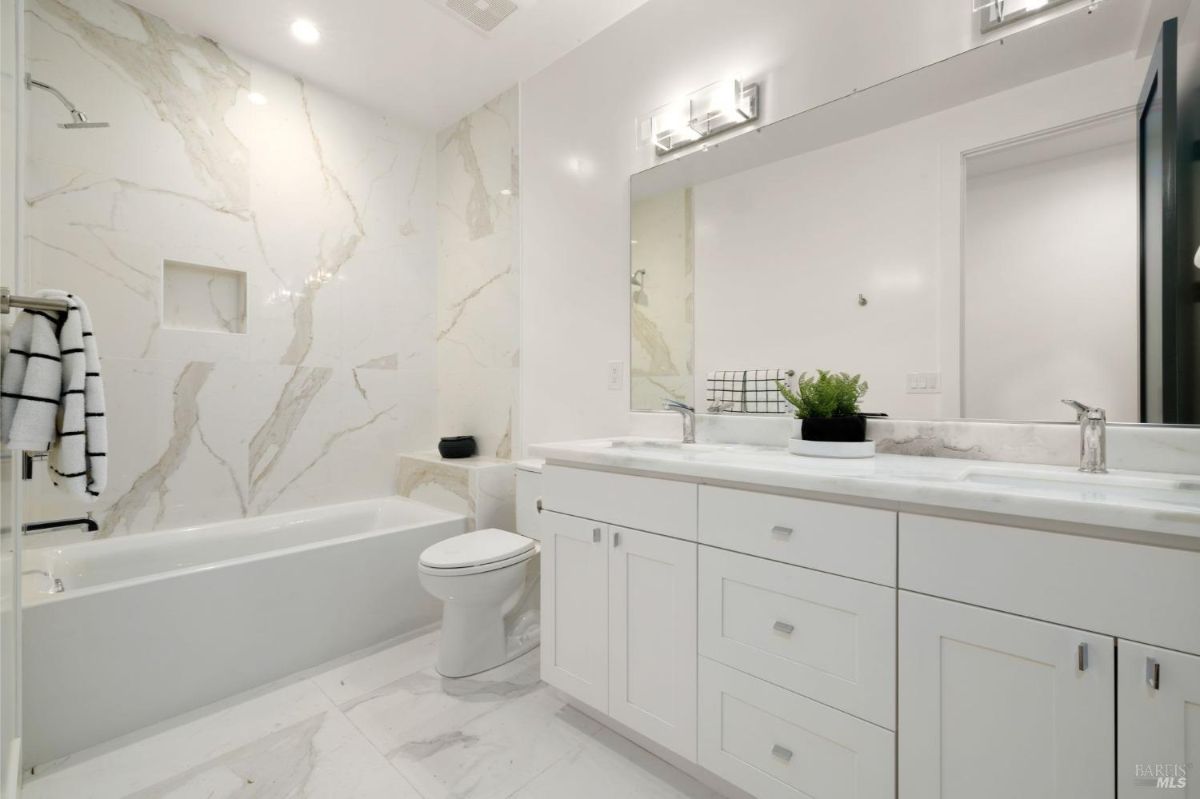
x: 616, y: 375
x: 924, y: 383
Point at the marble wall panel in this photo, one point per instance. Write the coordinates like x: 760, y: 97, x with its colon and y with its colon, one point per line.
x: 326, y: 206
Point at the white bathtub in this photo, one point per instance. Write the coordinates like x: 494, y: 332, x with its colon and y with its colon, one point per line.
x: 150, y: 626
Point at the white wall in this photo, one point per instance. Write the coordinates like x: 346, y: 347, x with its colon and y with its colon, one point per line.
x: 1050, y: 292
x: 579, y: 149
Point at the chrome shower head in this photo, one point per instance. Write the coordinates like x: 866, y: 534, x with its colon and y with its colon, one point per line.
x: 79, y: 120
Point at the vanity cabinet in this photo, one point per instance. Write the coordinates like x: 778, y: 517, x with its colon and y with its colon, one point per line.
x: 619, y: 625
x: 1158, y: 713
x: 994, y: 706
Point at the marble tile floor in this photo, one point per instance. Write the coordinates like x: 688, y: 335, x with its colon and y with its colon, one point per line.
x: 384, y: 725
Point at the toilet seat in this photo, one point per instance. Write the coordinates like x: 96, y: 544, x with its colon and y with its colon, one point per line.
x: 477, y: 552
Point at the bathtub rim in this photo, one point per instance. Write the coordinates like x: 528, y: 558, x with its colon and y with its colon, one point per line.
x: 437, y: 516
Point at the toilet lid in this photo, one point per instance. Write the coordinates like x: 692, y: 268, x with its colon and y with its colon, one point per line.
x: 476, y: 549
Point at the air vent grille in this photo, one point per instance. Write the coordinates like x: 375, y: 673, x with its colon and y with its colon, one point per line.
x: 482, y: 14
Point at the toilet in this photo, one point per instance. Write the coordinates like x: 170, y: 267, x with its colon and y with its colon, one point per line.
x: 487, y: 581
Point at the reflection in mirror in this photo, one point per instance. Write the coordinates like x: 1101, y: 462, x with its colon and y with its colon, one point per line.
x: 966, y: 236
x: 661, y: 241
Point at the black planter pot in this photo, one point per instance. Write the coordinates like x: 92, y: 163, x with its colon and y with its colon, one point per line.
x: 835, y: 428
x: 457, y: 447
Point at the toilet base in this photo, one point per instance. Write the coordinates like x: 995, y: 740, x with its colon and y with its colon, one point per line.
x: 474, y: 640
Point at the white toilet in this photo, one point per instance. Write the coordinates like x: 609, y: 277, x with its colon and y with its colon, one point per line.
x: 488, y: 583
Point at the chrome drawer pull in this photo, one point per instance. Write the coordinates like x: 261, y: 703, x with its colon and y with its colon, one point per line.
x: 616, y: 539
x: 1152, y: 673
x: 1081, y: 657
x: 781, y: 531
x: 784, y: 627
x: 595, y: 535
x: 783, y: 754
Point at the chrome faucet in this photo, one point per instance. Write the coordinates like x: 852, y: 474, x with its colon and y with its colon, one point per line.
x: 689, y: 418
x: 1093, y: 445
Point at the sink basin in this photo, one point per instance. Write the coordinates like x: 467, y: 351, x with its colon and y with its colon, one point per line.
x: 1092, y: 487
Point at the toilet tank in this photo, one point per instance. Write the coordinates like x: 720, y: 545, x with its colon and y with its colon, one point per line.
x: 529, y: 494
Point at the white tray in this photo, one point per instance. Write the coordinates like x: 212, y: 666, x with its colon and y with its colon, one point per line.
x: 831, y: 449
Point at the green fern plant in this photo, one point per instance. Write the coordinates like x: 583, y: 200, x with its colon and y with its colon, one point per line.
x: 827, y: 395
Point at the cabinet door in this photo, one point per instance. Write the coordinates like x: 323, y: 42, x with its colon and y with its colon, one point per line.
x: 1158, y: 713
x: 652, y: 637
x: 994, y: 706
x: 575, y: 607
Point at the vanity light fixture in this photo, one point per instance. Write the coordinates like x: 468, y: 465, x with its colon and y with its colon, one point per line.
x: 998, y: 13
x: 707, y: 112
x: 306, y: 31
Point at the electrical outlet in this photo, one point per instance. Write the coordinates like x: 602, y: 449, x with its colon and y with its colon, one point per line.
x: 924, y: 383
x: 616, y: 375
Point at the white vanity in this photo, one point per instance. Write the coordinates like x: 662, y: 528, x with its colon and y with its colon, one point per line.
x: 912, y: 627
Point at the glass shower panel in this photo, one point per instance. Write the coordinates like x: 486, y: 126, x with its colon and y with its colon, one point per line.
x: 11, y: 72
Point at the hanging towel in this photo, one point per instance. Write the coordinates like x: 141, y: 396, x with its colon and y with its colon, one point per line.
x: 53, y: 395
x: 747, y: 391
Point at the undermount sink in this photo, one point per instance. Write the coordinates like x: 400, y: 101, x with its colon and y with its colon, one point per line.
x: 1097, y: 487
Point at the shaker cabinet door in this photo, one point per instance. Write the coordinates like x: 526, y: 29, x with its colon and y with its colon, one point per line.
x: 575, y: 607
x: 994, y: 706
x: 1158, y: 722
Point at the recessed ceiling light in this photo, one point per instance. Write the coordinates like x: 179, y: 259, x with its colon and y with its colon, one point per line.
x: 257, y: 98
x: 306, y: 31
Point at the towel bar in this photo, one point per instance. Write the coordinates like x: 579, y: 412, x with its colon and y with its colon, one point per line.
x: 8, y: 300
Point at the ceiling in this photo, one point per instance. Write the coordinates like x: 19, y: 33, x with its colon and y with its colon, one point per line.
x: 409, y: 58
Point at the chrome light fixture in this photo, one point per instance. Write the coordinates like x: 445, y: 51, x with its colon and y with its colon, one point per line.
x: 707, y: 112
x: 998, y: 13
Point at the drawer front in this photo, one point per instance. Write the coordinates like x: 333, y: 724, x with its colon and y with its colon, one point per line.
x: 842, y: 539
x: 775, y: 744
x: 666, y: 507
x: 1142, y: 593
x: 827, y: 637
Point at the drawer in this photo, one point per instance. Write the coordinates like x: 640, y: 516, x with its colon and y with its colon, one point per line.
x: 1142, y: 593
x: 774, y: 744
x: 667, y: 507
x: 829, y: 638
x: 842, y: 539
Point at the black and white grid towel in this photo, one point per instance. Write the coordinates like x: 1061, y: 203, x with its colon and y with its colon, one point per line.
x: 53, y: 395
x: 747, y: 391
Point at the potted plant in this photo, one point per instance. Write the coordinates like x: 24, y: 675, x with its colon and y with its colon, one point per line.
x: 827, y: 407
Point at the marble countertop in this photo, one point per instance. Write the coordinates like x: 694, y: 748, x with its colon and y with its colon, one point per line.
x: 1139, y: 502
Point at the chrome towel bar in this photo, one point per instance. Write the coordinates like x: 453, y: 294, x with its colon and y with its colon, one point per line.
x: 8, y: 301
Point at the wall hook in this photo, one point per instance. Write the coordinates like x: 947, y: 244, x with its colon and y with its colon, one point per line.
x: 862, y: 300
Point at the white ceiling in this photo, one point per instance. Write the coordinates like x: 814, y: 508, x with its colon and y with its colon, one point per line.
x: 409, y: 58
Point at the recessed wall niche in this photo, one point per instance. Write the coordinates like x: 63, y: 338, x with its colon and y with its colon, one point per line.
x: 205, y: 298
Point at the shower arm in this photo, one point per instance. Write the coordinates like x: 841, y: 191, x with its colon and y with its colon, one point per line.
x: 76, y: 114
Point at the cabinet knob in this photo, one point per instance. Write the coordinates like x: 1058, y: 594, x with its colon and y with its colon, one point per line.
x: 1152, y: 670
x: 781, y: 531
x: 1081, y: 657
x: 595, y: 535
x: 784, y: 627
x: 782, y: 753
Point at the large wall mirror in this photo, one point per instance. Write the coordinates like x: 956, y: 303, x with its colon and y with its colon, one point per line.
x: 979, y: 239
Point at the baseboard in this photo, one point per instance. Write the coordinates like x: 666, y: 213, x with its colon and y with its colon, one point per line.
x: 693, y: 770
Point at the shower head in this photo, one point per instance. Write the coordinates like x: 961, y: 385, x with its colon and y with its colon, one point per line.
x: 79, y: 120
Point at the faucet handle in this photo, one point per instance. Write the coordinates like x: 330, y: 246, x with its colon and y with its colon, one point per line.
x: 676, y: 405
x: 1084, y: 411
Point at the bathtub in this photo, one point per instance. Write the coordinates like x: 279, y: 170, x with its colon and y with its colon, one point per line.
x: 123, y: 633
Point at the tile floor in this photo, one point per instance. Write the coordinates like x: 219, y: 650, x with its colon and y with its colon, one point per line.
x: 384, y: 725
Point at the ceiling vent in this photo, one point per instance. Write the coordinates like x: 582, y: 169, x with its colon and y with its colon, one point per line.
x: 482, y: 15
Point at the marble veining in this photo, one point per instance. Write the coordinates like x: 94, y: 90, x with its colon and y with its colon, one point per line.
x: 325, y: 206
x: 383, y: 725
x: 478, y: 284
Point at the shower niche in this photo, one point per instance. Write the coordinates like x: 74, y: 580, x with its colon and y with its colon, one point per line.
x: 203, y: 298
